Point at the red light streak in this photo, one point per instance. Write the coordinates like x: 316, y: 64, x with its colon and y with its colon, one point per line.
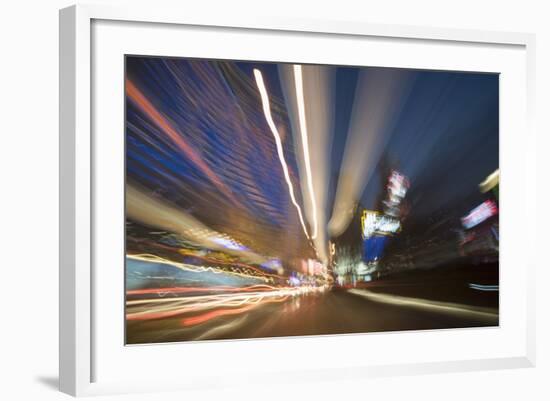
x: 191, y: 321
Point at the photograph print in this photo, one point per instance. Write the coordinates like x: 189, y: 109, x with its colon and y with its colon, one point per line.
x: 274, y: 200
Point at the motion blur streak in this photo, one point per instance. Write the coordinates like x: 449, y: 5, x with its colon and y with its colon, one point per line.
x: 443, y: 307
x: 191, y: 321
x: 305, y: 143
x: 149, y: 210
x: 201, y: 268
x: 481, y: 287
x: 157, y: 308
x: 147, y: 107
x: 222, y: 329
x: 379, y: 98
x: 170, y: 290
x: 312, y: 153
x: 269, y: 118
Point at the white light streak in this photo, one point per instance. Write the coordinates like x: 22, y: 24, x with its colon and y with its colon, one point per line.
x: 481, y: 287
x: 435, y: 306
x: 269, y: 118
x: 305, y: 144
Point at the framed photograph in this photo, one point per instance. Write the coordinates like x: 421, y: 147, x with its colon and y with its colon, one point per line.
x: 293, y: 200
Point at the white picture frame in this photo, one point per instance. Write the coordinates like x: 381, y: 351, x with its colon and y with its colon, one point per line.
x: 78, y: 161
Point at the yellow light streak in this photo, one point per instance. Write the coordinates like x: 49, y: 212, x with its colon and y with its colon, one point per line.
x: 145, y: 257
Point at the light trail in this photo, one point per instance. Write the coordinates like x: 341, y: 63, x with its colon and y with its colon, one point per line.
x: 142, y: 206
x: 267, y: 111
x: 199, y: 269
x: 298, y: 80
x: 221, y: 329
x: 481, y: 287
x: 210, y: 306
x: 433, y: 306
x: 192, y: 321
x: 167, y: 290
x: 309, y: 93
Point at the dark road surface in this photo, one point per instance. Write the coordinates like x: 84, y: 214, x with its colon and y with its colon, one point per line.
x: 333, y: 312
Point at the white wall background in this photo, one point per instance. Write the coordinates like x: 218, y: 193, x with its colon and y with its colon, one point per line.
x: 29, y: 199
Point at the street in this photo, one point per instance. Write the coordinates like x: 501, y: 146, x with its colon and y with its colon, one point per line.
x: 331, y: 312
